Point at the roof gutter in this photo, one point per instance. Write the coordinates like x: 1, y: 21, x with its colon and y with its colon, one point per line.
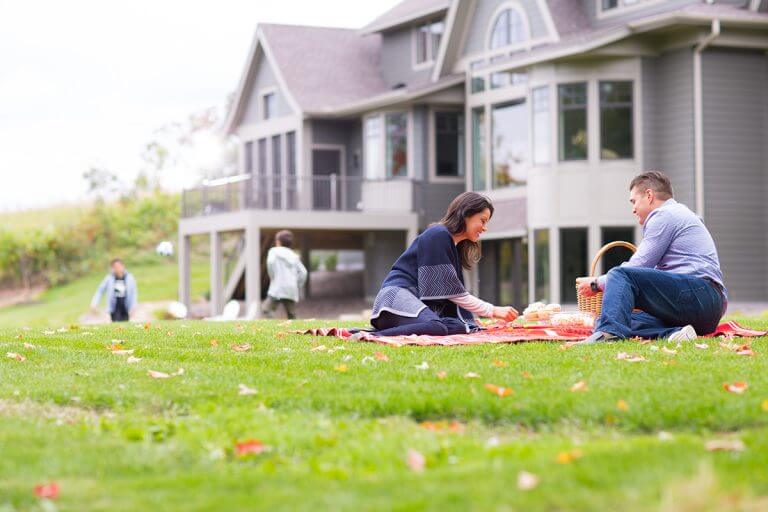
x: 698, y: 123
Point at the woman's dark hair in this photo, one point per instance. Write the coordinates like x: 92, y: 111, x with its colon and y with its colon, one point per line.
x: 455, y: 220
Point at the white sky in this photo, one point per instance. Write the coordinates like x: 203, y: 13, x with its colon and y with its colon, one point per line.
x: 85, y: 83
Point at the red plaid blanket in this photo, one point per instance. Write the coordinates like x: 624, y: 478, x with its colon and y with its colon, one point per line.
x: 509, y: 334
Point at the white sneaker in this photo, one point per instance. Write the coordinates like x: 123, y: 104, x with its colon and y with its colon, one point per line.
x: 687, y: 333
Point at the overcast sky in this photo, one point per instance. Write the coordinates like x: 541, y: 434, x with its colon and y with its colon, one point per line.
x: 86, y: 83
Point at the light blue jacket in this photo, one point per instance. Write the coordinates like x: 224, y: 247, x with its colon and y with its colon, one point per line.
x: 108, y: 285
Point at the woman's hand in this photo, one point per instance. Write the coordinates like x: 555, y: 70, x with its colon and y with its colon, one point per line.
x: 505, y: 313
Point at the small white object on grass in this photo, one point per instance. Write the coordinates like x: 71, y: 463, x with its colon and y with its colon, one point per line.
x: 164, y: 248
x: 177, y: 310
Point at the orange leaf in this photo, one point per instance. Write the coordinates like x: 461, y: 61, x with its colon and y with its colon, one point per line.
x: 737, y: 387
x: 241, y: 348
x: 442, y: 375
x: 14, y: 355
x: 380, y: 356
x: 764, y: 405
x: 49, y: 491
x: 568, y: 457
x: 526, y: 375
x: 622, y: 405
x: 415, y: 461
x: 500, y: 364
x: 497, y: 390
x: 29, y: 346
x: 249, y: 447
x: 214, y: 343
x: 579, y: 386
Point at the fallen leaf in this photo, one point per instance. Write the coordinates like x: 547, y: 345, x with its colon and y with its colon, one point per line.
x: 527, y: 481
x: 29, y: 346
x: 744, y: 350
x: 442, y: 375
x: 568, y: 457
x: 14, y: 355
x: 244, y: 390
x: 498, y: 390
x: 214, y: 343
x: 49, y: 332
x: 622, y: 405
x: 147, y: 326
x: 341, y: 368
x: 162, y: 375
x: 347, y: 357
x: 500, y: 364
x: 49, y: 491
x: 123, y: 352
x: 61, y: 329
x: 20, y: 336
x: 579, y: 386
x: 737, y: 387
x: 630, y: 358
x: 725, y: 445
x: 526, y: 375
x: 665, y: 436
x: 132, y: 360
x: 439, y: 426
x: 471, y: 375
x: 668, y: 350
x: 380, y: 356
x: 249, y: 447
x: 241, y: 348
x: 423, y: 366
x: 764, y: 405
x: 318, y: 348
x: 671, y: 362
x: 415, y: 461
x: 367, y: 359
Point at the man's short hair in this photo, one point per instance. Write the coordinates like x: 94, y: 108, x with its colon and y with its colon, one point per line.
x: 654, y: 180
x: 285, y: 238
x: 115, y: 260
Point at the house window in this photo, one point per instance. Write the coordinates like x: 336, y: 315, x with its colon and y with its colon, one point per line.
x: 397, y: 145
x: 541, y: 137
x: 510, y: 150
x: 290, y: 163
x: 573, y: 261
x: 478, y: 82
x: 617, y: 255
x: 268, y: 105
x: 573, y: 121
x: 478, y: 149
x: 507, y: 78
x: 609, y: 5
x: 277, y: 179
x: 449, y: 144
x: 248, y: 149
x: 427, y: 41
x: 374, y: 144
x: 261, y: 182
x: 541, y: 264
x: 508, y: 29
x: 616, y: 133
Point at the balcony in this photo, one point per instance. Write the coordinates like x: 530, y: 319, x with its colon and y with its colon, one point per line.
x: 301, y: 193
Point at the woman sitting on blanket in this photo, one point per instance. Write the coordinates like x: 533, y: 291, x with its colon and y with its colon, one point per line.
x: 424, y: 292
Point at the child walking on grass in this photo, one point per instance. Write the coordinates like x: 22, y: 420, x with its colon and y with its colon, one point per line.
x: 286, y: 275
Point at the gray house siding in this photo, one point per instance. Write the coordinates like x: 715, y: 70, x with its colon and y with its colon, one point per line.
x: 382, y: 248
x: 435, y: 198
x: 668, y: 119
x: 481, y: 20
x: 347, y: 134
x: 734, y: 83
x: 264, y: 78
x: 397, y: 60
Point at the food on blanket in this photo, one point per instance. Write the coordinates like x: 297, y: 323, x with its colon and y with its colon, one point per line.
x: 538, y: 311
x: 573, y: 319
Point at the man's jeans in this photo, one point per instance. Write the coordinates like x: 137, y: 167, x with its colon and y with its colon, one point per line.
x: 668, y: 301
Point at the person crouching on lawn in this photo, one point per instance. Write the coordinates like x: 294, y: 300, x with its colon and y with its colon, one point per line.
x: 424, y: 292
x: 121, y: 290
x: 286, y: 275
x: 674, y: 277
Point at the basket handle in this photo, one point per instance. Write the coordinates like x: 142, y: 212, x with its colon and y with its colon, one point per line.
x: 606, y: 248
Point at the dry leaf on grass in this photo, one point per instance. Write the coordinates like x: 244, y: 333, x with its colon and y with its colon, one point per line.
x: 341, y: 368
x: 526, y: 375
x: 527, y: 481
x: 132, y: 360
x: 241, y: 348
x: 500, y: 364
x: 579, y: 386
x: 162, y: 375
x: 29, y: 346
x: 737, y: 387
x: 670, y: 351
x: 123, y: 352
x: 49, y: 491
x: 423, y: 366
x: 630, y: 358
x: 244, y: 390
x: 415, y: 461
x: 318, y: 348
x: 568, y: 457
x: 442, y: 375
x: 498, y: 390
x: 249, y: 447
x: 439, y: 426
x: 725, y: 445
x: 622, y: 405
x: 702, y: 346
x: 14, y: 355
x: 214, y: 343
x: 380, y: 356
x: 471, y: 375
x: 367, y: 359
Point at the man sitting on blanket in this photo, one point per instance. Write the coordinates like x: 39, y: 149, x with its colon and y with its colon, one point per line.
x: 674, y: 278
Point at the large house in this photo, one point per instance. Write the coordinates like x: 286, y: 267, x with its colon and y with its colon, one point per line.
x: 358, y: 139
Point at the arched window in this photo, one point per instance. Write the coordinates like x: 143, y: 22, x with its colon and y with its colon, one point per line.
x: 509, y: 28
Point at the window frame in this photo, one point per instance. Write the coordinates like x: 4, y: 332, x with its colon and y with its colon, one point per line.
x: 632, y: 125
x: 262, y: 111
x: 622, y: 7
x: 525, y: 43
x: 560, y: 148
x: 432, y: 145
x: 430, y: 51
x: 381, y: 170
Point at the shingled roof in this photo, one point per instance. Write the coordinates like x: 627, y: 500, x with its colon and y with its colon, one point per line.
x: 405, y: 12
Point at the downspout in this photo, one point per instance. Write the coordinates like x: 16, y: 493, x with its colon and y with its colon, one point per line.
x: 698, y: 128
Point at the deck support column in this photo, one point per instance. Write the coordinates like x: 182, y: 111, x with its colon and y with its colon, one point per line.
x: 216, y: 274
x: 253, y: 269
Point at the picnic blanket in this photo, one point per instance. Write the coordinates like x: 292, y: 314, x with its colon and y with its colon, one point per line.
x: 514, y: 333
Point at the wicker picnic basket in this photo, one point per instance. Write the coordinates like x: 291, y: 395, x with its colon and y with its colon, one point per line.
x: 594, y: 304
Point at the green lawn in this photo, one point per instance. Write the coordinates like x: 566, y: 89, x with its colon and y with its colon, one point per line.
x: 63, y: 305
x: 337, y: 424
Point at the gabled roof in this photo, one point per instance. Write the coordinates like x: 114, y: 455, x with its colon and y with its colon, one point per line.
x: 568, y: 16
x: 406, y: 12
